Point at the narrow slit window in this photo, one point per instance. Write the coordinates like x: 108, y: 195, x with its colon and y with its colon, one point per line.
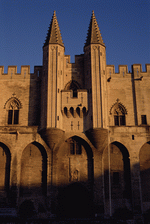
x: 143, y: 119
x: 72, y: 148
x: 78, y: 149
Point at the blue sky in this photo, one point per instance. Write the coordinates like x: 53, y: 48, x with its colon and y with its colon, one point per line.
x: 124, y: 25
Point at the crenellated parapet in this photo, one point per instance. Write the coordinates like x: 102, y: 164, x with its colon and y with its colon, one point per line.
x: 138, y: 73
x: 124, y: 73
x: 24, y: 74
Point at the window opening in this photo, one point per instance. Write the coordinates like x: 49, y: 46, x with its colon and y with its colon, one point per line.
x: 75, y: 148
x: 74, y: 92
x: 78, y: 111
x: 13, y: 113
x: 78, y: 149
x: 71, y: 125
x: 119, y: 120
x: 65, y: 111
x: 119, y: 115
x: 143, y: 119
x: 72, y: 111
x: 72, y: 149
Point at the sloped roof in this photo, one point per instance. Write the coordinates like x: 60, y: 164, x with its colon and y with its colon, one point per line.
x: 54, y: 35
x: 94, y: 35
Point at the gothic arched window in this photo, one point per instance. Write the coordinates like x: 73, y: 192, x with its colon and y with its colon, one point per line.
x: 12, y: 107
x: 119, y: 112
x: 13, y: 113
x: 74, y: 86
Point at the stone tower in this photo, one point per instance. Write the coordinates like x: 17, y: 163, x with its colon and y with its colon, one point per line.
x: 51, y: 83
x: 95, y: 73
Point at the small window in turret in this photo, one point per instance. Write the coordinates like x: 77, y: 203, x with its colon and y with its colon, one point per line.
x: 74, y: 92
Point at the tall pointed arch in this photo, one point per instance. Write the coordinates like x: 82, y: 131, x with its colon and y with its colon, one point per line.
x: 74, y: 177
x: 117, y: 176
x: 144, y: 156
x: 5, y: 158
x: 33, y: 170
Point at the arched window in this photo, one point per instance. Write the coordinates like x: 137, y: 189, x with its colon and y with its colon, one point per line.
x: 65, y: 111
x: 13, y: 113
x: 119, y: 112
x: 78, y: 111
x: 74, y: 86
x: 72, y: 111
x: 12, y: 107
x: 75, y: 148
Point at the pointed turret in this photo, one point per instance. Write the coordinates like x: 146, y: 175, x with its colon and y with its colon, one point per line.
x: 54, y: 34
x: 94, y: 35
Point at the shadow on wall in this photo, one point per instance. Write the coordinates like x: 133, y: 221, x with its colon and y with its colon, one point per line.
x: 76, y: 198
x: 35, y: 97
x: 76, y: 201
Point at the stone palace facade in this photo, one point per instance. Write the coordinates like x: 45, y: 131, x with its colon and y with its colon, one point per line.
x: 74, y: 137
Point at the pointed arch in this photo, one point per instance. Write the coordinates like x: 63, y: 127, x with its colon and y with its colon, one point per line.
x: 144, y: 156
x: 5, y: 159
x: 33, y: 170
x: 119, y: 112
x: 74, y: 148
x: 74, y: 167
x: 117, y: 175
x: 13, y: 102
x: 74, y: 86
x: 13, y: 106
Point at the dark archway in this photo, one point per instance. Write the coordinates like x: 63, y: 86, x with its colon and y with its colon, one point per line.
x: 144, y: 156
x: 126, y: 169
x: 5, y: 158
x: 75, y: 201
x: 117, y: 176
x: 74, y: 168
x: 33, y: 170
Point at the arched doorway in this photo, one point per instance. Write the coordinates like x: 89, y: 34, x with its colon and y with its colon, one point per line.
x: 144, y: 157
x: 5, y: 158
x: 74, y: 173
x: 117, y: 177
x: 33, y: 170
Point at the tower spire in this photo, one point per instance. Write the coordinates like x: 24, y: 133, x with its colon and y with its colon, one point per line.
x: 94, y: 35
x: 54, y: 34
